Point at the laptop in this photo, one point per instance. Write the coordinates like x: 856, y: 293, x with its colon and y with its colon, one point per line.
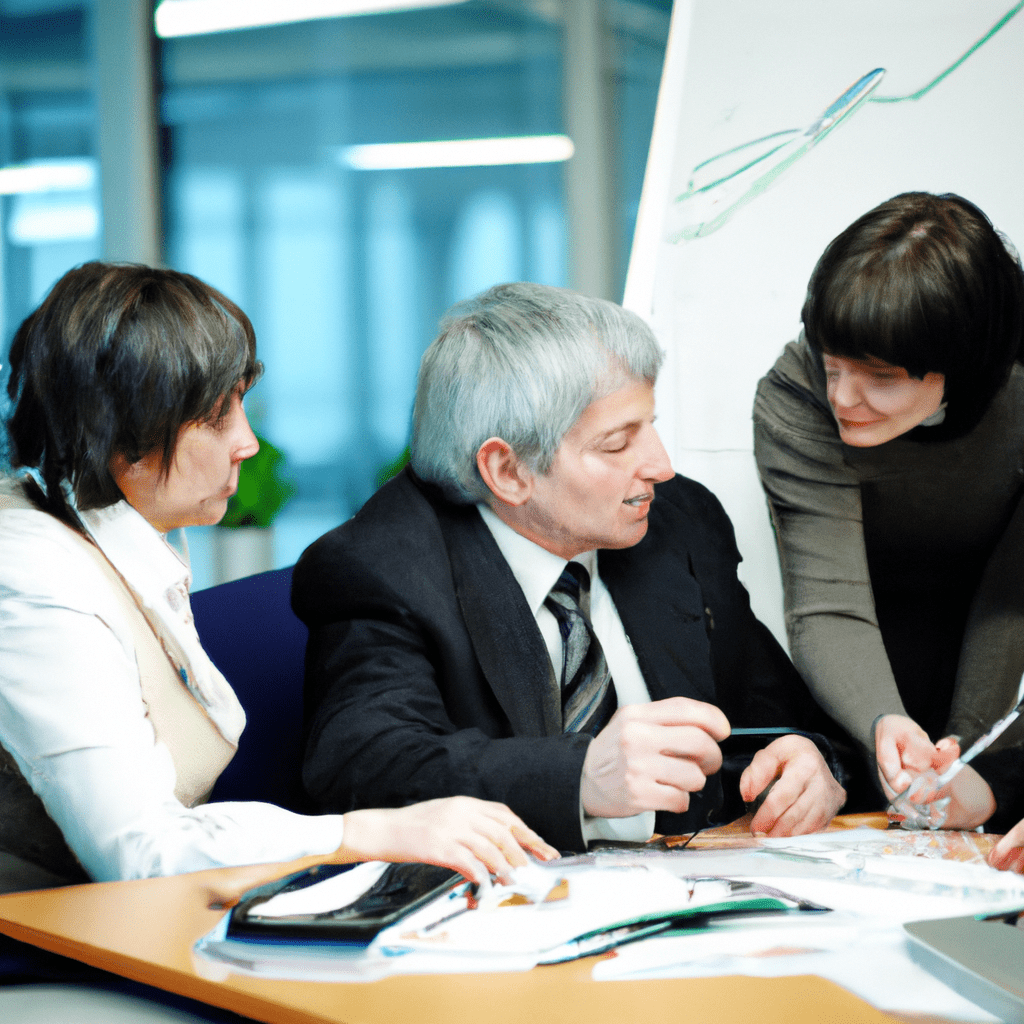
x: 980, y: 957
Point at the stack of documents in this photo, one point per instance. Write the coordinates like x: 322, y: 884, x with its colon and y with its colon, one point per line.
x: 832, y: 904
x: 549, y: 913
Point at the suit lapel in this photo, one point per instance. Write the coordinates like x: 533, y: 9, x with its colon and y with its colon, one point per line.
x: 503, y: 631
x: 661, y: 606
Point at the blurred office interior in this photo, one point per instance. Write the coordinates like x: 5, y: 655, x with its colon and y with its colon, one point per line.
x: 234, y: 155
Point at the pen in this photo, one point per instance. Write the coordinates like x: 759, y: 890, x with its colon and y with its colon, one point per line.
x: 469, y: 892
x: 980, y: 744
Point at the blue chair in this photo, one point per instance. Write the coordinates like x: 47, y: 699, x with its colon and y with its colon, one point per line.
x: 252, y: 635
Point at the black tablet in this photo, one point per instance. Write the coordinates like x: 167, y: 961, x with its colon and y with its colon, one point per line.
x: 401, y: 889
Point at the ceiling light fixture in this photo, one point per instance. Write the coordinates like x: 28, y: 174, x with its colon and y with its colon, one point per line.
x: 47, y: 176
x: 522, y: 149
x: 200, y: 17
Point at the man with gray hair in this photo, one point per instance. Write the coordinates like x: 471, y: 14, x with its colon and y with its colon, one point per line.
x: 539, y: 612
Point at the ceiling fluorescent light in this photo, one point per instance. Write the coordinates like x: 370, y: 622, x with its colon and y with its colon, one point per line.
x: 47, y: 176
x: 64, y: 222
x: 522, y: 149
x: 199, y: 17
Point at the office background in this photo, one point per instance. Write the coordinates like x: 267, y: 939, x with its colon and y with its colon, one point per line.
x: 228, y: 155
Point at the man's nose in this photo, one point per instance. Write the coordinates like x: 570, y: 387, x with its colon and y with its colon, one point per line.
x: 657, y: 466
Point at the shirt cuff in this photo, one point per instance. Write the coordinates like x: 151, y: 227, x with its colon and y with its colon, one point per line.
x: 636, y: 829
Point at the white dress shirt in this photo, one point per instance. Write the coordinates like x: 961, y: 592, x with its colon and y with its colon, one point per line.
x: 537, y: 570
x: 71, y: 709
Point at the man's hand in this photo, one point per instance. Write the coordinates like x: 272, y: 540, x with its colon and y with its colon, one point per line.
x: 651, y: 757
x: 804, y: 798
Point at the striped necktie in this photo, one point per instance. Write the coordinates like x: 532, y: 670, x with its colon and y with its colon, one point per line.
x: 588, y: 699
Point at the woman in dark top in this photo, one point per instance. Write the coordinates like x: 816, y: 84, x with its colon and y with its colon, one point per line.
x: 890, y: 442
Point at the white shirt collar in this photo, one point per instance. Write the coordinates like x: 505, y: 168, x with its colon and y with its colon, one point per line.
x: 535, y: 568
x: 142, y: 555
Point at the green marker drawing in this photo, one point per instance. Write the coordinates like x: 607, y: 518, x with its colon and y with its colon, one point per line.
x: 723, y: 184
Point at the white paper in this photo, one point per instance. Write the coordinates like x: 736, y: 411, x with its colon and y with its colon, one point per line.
x: 875, y: 880
x: 873, y: 963
x: 598, y: 898
x: 331, y: 894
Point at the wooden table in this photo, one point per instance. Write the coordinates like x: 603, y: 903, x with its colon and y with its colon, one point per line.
x: 145, y: 931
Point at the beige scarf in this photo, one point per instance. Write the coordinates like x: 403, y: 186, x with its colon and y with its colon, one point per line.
x: 199, y: 752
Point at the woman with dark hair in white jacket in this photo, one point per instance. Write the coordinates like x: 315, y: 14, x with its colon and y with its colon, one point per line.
x: 128, y: 424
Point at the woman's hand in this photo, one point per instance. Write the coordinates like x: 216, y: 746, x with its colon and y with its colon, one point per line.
x: 1008, y: 853
x: 903, y: 750
x: 973, y: 802
x: 475, y: 837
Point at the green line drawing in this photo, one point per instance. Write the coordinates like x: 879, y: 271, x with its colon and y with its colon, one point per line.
x: 737, y: 177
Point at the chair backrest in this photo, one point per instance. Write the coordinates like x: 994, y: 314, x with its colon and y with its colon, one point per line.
x: 249, y: 630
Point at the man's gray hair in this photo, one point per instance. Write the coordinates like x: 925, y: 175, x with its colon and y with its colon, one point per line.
x: 520, y: 362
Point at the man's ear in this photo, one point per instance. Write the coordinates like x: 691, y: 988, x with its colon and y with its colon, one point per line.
x: 506, y: 477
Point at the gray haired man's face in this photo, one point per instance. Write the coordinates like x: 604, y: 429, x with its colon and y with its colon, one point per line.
x: 600, y: 486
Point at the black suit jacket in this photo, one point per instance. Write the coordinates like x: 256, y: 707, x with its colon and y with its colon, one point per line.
x: 426, y: 674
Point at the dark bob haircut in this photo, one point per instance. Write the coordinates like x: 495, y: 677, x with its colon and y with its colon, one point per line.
x: 926, y: 283
x: 116, y: 360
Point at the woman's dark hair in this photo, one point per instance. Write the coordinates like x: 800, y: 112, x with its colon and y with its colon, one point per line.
x: 923, y: 282
x: 114, y: 362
